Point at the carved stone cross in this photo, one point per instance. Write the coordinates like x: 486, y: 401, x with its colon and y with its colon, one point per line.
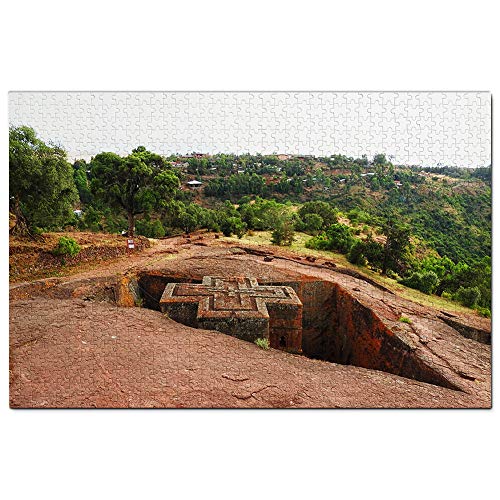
x: 239, y: 307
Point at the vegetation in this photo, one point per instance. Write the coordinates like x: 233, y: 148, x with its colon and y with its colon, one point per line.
x: 426, y: 282
x: 283, y: 233
x: 41, y: 185
x: 320, y: 212
x: 262, y: 343
x: 427, y: 229
x: 338, y: 237
x: 136, y: 184
x: 67, y: 246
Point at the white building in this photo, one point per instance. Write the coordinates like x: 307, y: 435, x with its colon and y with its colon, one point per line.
x: 194, y: 184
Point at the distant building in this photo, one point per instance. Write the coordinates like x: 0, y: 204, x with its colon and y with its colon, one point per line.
x: 180, y: 164
x: 194, y: 184
x: 195, y: 155
x: 78, y: 213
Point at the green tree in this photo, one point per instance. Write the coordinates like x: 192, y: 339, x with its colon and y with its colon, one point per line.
x: 321, y: 208
x: 379, y: 159
x: 262, y: 214
x: 338, y: 237
x: 356, y: 254
x: 188, y: 221
x: 232, y: 225
x: 81, y: 181
x: 426, y: 282
x: 396, y: 248
x: 283, y: 233
x: 313, y: 223
x: 374, y: 252
x: 41, y: 185
x: 469, y: 296
x: 135, y: 184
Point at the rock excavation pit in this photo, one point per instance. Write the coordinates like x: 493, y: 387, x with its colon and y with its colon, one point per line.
x: 316, y: 318
x: 239, y: 307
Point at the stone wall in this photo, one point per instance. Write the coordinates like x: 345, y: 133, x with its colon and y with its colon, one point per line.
x: 338, y: 328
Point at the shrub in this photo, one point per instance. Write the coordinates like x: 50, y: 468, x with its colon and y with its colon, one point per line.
x: 483, y: 311
x: 337, y: 237
x: 262, y: 343
x: 319, y: 242
x: 426, y: 282
x: 468, y: 297
x: 357, y: 216
x: 233, y: 225
x: 283, y: 233
x: 391, y: 274
x: 312, y: 223
x: 157, y: 229
x: 67, y: 246
x: 404, y: 319
x: 150, y: 229
x: 356, y: 255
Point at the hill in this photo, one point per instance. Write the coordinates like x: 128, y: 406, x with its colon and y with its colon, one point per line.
x: 448, y: 208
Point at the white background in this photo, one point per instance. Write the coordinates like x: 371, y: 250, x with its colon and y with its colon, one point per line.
x: 259, y: 45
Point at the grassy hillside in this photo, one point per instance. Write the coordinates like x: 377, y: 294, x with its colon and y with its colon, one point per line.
x: 448, y: 208
x: 263, y: 238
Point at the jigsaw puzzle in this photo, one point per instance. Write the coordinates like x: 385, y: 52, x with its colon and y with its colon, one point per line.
x: 250, y: 249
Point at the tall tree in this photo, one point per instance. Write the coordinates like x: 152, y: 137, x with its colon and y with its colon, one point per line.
x: 396, y: 248
x: 136, y: 184
x: 81, y: 181
x: 41, y: 185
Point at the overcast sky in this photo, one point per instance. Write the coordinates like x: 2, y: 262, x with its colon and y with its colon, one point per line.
x: 413, y: 127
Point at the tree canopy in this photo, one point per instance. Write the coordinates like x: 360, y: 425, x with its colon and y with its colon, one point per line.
x: 41, y: 185
x: 135, y: 184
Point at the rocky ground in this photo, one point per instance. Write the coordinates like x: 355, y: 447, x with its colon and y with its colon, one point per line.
x: 72, y: 345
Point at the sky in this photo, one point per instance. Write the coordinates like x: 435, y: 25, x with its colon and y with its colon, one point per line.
x: 417, y: 128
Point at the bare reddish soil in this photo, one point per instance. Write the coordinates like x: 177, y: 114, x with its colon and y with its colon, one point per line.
x: 73, y: 346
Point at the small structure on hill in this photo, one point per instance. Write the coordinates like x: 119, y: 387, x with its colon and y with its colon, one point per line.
x: 239, y: 307
x: 194, y: 184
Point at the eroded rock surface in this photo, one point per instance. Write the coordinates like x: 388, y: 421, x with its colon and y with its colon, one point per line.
x: 71, y: 345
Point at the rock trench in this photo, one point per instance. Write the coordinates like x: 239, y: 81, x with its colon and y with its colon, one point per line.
x: 336, y: 326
